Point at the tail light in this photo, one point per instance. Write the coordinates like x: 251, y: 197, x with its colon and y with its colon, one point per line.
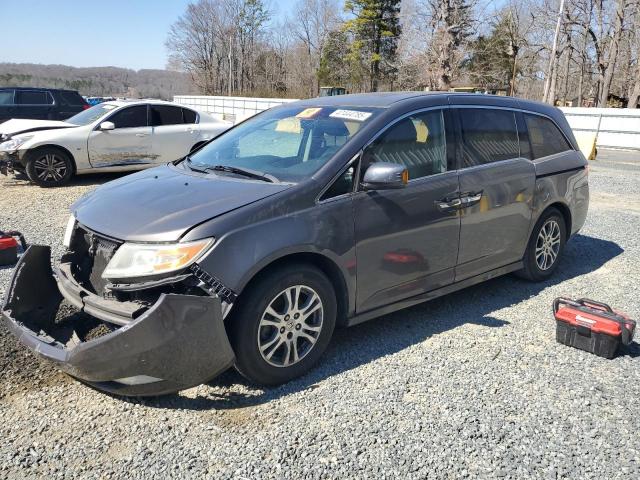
x: 86, y: 106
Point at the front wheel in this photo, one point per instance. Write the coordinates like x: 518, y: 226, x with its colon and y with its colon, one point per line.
x: 545, y: 246
x: 49, y: 167
x: 283, y: 324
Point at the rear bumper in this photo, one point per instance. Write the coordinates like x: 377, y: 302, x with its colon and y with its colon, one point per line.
x: 179, y: 342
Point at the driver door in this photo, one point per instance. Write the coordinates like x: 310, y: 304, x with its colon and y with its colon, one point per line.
x: 129, y: 144
x: 407, y: 238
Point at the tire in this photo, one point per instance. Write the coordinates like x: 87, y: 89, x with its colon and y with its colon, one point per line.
x: 264, y: 343
x: 545, y: 247
x: 49, y: 167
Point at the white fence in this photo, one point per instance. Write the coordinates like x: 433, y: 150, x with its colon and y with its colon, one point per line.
x: 613, y: 127
x: 230, y: 108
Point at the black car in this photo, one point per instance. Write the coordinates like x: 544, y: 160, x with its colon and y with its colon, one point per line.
x: 39, y: 103
x: 321, y: 213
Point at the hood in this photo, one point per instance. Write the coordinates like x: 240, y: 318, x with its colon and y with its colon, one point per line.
x: 19, y: 125
x: 161, y: 204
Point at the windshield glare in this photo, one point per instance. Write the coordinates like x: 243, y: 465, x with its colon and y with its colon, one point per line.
x: 290, y: 143
x: 92, y: 114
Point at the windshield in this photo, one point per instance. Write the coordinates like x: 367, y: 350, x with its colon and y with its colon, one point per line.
x: 289, y: 143
x: 92, y: 114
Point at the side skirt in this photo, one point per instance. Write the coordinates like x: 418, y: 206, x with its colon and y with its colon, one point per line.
x: 423, y: 297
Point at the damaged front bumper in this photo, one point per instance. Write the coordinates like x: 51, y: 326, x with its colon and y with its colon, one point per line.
x: 11, y: 162
x: 177, y: 343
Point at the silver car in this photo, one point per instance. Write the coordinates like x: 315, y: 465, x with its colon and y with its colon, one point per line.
x: 116, y: 136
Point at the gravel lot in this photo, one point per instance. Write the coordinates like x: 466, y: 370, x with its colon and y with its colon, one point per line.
x: 469, y: 385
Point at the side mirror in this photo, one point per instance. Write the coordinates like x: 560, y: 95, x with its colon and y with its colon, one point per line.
x: 104, y: 126
x: 384, y: 175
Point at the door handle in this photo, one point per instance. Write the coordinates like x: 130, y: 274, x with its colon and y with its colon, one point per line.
x: 448, y: 204
x: 471, y: 198
x: 141, y: 134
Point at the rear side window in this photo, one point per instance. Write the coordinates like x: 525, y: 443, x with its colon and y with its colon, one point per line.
x: 488, y: 135
x: 34, y: 97
x: 130, y: 117
x: 6, y: 97
x: 545, y: 138
x: 72, y: 98
x: 165, y: 115
x: 189, y: 116
x: 418, y: 142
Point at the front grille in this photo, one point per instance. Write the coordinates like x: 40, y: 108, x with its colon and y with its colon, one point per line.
x: 92, y: 254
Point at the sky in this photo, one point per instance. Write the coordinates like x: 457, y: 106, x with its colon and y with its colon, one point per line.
x: 89, y: 33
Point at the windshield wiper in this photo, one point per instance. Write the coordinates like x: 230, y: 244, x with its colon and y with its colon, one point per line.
x: 245, y: 172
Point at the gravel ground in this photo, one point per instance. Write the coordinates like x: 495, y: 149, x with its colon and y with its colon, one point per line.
x: 469, y: 385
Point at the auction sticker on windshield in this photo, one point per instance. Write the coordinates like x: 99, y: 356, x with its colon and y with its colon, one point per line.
x: 308, y: 113
x: 351, y: 115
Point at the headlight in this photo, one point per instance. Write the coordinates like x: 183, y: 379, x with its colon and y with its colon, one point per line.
x: 13, y: 144
x: 71, y: 223
x: 141, y: 259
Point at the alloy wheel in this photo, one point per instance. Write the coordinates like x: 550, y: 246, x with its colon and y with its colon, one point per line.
x: 290, y: 326
x: 50, y: 167
x: 548, y: 244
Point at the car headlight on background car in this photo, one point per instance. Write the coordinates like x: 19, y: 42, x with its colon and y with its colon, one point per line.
x: 13, y: 144
x: 143, y: 259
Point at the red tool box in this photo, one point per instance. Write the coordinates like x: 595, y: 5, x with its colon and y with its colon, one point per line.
x: 592, y: 326
x: 9, y: 247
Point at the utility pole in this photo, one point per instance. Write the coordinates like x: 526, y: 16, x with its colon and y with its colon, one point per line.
x: 552, y: 57
x: 230, y: 74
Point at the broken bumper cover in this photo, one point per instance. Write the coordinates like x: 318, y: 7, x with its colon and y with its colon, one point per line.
x: 178, y: 343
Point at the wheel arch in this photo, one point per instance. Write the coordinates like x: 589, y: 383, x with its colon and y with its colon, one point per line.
x: 321, y: 262
x: 33, y: 150
x: 564, y: 210
x: 197, y: 145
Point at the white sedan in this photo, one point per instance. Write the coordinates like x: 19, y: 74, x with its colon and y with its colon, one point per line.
x: 110, y: 137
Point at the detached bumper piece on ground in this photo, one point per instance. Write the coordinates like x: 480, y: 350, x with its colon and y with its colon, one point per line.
x: 592, y: 326
x: 176, y: 343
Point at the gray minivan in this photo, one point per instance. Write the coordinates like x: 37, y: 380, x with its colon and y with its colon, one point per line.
x: 329, y: 211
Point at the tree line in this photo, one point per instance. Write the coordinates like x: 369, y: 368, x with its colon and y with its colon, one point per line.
x: 580, y: 52
x: 98, y: 81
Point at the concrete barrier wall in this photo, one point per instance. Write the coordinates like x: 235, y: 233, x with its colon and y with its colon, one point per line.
x: 234, y: 109
x: 613, y: 127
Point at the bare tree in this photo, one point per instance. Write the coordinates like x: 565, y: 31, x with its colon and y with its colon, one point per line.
x: 451, y: 20
x: 312, y: 22
x: 613, y: 52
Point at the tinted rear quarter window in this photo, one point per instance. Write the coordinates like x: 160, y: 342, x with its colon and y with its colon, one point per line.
x: 189, y: 116
x: 72, y: 98
x: 545, y: 138
x: 6, y: 97
x: 165, y: 115
x: 488, y: 135
x: 130, y: 117
x: 34, y: 97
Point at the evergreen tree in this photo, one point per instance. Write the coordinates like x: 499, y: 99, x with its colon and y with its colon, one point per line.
x: 374, y: 29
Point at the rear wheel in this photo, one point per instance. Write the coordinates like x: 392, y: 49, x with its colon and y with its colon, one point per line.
x: 49, y: 167
x: 283, y: 324
x: 545, y: 246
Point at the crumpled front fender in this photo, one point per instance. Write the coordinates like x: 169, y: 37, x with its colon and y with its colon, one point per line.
x: 178, y: 343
